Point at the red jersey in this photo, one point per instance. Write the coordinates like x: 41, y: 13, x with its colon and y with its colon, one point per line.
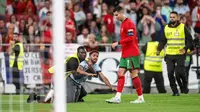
x: 198, y: 17
x: 129, y: 40
x: 108, y: 20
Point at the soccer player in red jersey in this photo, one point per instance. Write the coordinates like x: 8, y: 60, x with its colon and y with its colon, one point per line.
x: 130, y: 59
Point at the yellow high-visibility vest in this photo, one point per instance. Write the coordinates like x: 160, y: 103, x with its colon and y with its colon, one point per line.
x: 175, y: 39
x: 51, y: 70
x: 153, y: 62
x: 20, y: 58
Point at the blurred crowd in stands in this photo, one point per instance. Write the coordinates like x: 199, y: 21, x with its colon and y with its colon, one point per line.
x: 91, y: 22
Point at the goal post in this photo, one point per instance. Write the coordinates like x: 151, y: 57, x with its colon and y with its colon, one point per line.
x: 58, y: 54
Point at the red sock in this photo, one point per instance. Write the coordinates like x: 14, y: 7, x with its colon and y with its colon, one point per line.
x: 138, y: 86
x: 120, y: 85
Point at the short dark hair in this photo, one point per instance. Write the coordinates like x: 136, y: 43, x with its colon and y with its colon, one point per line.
x: 93, y: 51
x: 182, y: 17
x: 80, y: 47
x: 118, y: 9
x: 174, y: 12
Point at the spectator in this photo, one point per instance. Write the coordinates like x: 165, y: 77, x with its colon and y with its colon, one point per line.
x: 172, y: 3
x: 196, y: 18
x: 146, y: 26
x: 14, y: 21
x: 89, y: 19
x: 131, y: 13
x: 94, y: 29
x: 108, y: 20
x: 83, y: 38
x: 188, y: 24
x: 126, y: 4
x: 39, y: 4
x: 47, y: 39
x: 104, y: 32
x: 97, y: 8
x: 192, y: 4
x: 161, y: 19
x: 30, y: 8
x: 79, y: 15
x: 44, y: 10
x: 104, y: 8
x: 3, y: 29
x: 180, y: 8
x: 105, y: 48
x: 139, y: 9
x: 85, y: 4
x: 70, y: 25
x: 117, y: 24
x: 19, y: 6
x: 69, y: 8
x: 69, y: 38
x: 8, y: 39
x: 166, y: 9
x: 3, y: 7
x: 9, y: 7
x: 92, y: 43
x: 111, y: 2
x: 29, y: 30
x: 22, y: 26
x: 37, y: 40
x: 140, y: 5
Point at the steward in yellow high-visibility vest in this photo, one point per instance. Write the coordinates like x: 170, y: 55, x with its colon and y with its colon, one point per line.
x: 152, y: 61
x: 75, y: 56
x: 72, y: 63
x: 178, y: 40
x: 16, y: 62
x: 18, y: 58
x: 153, y: 66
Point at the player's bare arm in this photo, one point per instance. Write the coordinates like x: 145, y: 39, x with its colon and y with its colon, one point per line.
x: 105, y: 80
x: 81, y: 71
x: 90, y: 65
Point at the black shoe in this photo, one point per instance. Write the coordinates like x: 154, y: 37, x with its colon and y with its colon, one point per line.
x: 186, y: 91
x: 81, y: 100
x: 175, y: 94
x: 32, y: 98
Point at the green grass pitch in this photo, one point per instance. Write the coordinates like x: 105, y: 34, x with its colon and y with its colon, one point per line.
x: 96, y: 103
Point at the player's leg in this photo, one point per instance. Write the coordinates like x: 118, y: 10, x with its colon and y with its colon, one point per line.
x: 134, y: 70
x: 73, y: 90
x: 31, y: 98
x: 121, y: 79
x: 49, y: 96
x: 83, y: 93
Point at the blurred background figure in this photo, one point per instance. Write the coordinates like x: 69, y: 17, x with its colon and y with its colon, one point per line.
x: 16, y: 56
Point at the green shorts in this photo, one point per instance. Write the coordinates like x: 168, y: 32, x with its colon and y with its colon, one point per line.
x: 130, y: 63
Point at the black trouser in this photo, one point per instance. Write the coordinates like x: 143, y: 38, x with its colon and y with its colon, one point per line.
x: 187, y: 69
x: 16, y: 77
x: 158, y: 77
x: 176, y: 63
x: 75, y: 92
